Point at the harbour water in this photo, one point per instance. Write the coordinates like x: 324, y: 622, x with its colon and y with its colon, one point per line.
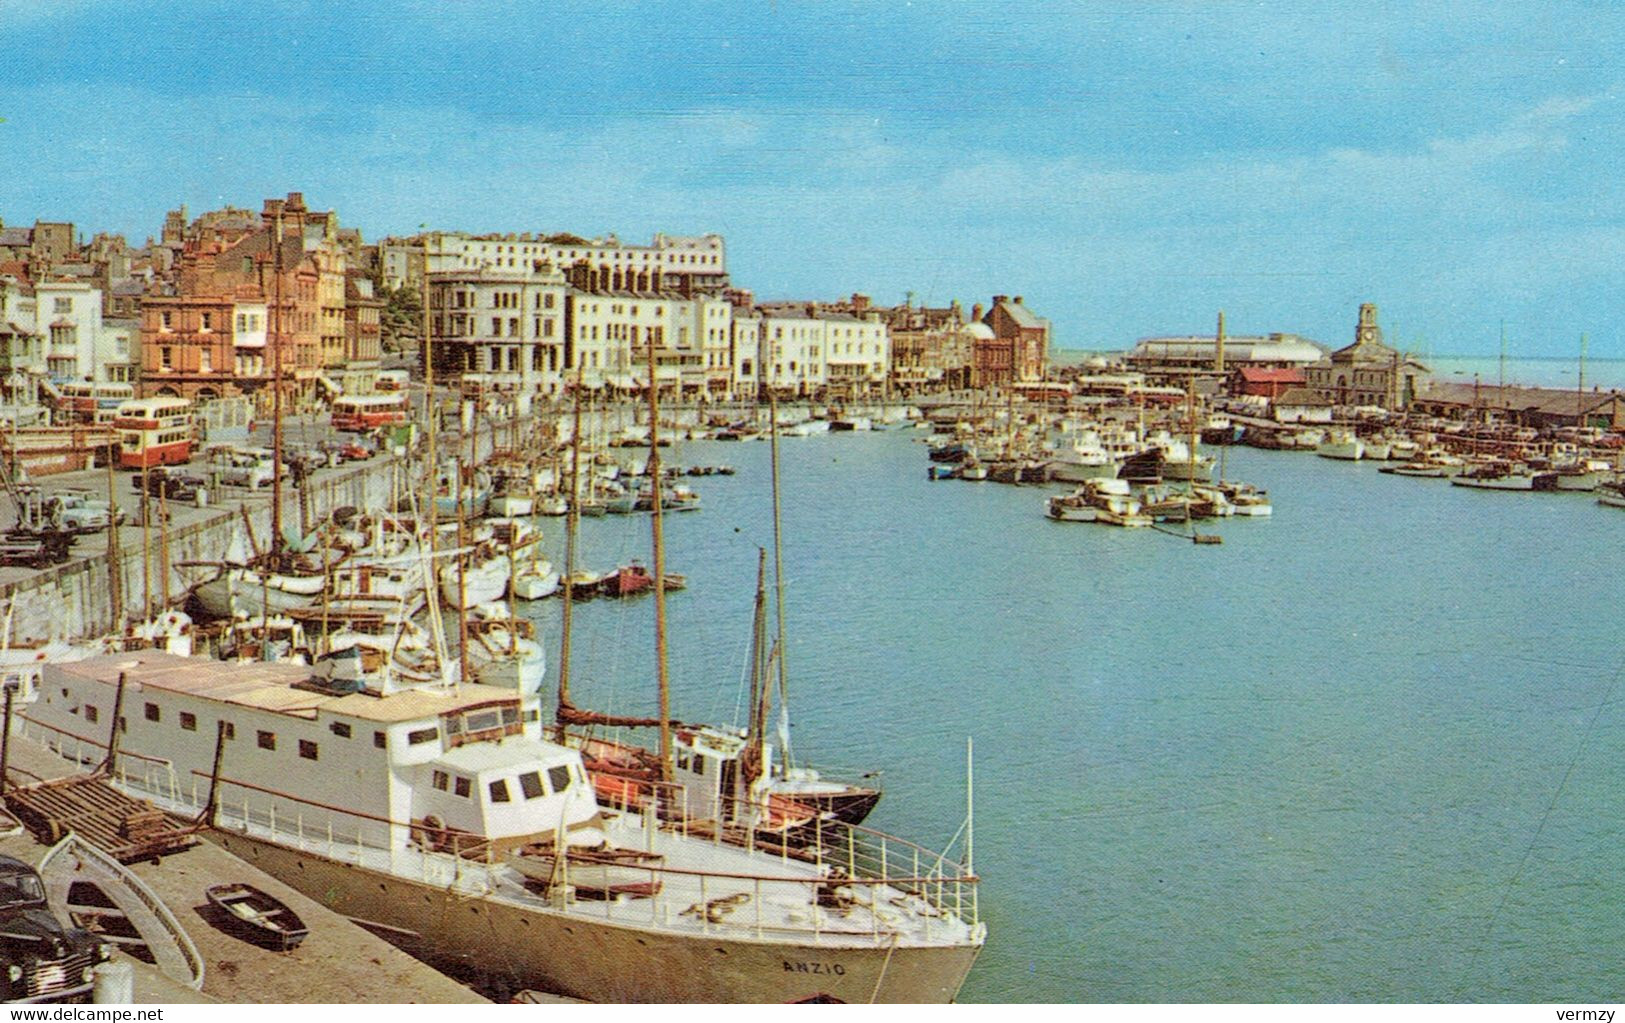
x: 1365, y: 750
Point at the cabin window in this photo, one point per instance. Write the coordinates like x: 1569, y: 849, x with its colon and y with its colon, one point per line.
x: 422, y: 735
x: 682, y: 759
x: 441, y: 780
x: 499, y: 790
x: 530, y: 783
x: 463, y: 787
x: 559, y: 778
x: 533, y: 715
x: 378, y: 739
x: 231, y: 729
x: 510, y: 715
x: 188, y: 721
x: 307, y: 749
x: 151, y: 711
x: 481, y: 721
x: 90, y: 713
x: 267, y: 740
x: 339, y: 729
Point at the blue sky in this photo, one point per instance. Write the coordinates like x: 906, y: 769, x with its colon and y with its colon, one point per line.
x: 1129, y: 168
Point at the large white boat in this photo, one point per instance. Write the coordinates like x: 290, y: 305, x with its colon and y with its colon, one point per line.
x: 1083, y: 457
x: 1342, y: 444
x: 256, y: 592
x: 407, y: 810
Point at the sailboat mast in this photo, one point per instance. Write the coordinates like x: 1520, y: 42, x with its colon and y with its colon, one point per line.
x: 758, y: 674
x: 572, y: 521
x: 462, y: 570
x: 276, y: 388
x: 429, y: 405
x: 666, y: 771
x: 115, y: 560
x: 778, y: 567
x: 1580, y: 387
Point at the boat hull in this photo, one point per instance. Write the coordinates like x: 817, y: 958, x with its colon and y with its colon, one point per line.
x: 605, y: 961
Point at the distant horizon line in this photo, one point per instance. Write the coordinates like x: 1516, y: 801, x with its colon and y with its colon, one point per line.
x: 1431, y: 355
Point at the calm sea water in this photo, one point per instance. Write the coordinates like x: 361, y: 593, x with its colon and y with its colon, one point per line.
x: 1365, y: 750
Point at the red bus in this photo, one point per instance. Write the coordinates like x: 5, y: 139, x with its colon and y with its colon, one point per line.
x: 369, y: 411
x: 154, y: 431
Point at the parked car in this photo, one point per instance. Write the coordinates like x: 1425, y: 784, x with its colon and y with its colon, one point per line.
x: 171, y: 484
x: 44, y: 961
x: 79, y: 513
x: 242, y: 467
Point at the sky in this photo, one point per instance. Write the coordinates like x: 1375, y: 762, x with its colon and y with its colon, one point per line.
x: 1130, y: 169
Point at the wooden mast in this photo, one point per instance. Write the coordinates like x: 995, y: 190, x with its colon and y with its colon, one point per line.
x: 115, y: 561
x: 572, y: 522
x: 778, y: 568
x: 430, y: 408
x: 276, y: 390
x: 659, y: 568
x: 759, y: 689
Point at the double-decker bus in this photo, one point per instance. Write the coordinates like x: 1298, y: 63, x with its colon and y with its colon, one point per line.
x: 369, y: 411
x: 83, y: 403
x: 154, y: 431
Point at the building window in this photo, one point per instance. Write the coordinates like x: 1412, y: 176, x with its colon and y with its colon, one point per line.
x: 378, y: 739
x: 499, y: 791
x: 151, y: 712
x: 307, y: 749
x: 188, y: 721
x: 62, y: 305
x: 267, y: 740
x: 339, y: 729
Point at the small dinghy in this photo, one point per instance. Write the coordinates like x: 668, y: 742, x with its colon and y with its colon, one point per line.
x: 259, y: 917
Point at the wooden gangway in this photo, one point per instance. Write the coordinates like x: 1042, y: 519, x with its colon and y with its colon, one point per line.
x: 125, y: 828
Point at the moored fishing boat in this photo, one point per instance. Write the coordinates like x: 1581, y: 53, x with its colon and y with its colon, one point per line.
x: 405, y: 810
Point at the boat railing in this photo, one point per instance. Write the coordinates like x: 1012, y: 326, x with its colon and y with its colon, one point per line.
x: 831, y: 870
x: 845, y: 853
x: 152, y: 773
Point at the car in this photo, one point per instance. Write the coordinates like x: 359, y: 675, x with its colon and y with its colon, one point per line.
x: 243, y: 467
x: 44, y: 960
x: 77, y: 512
x: 355, y: 451
x: 171, y: 484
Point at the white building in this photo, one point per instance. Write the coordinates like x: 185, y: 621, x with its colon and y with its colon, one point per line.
x: 500, y: 329
x: 808, y: 350
x: 68, y: 314
x: 669, y: 262
x: 745, y: 343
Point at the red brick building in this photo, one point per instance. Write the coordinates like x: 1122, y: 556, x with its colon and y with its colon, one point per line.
x: 1265, y: 381
x: 1018, y: 350
x: 241, y: 292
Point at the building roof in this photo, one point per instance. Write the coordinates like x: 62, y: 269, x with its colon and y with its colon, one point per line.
x: 1023, y: 317
x: 1270, y: 374
x: 1238, y: 349
x: 270, y: 687
x: 13, y: 236
x: 1550, y: 400
x: 1303, y: 397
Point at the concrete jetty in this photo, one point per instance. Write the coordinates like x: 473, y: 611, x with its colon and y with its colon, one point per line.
x: 339, y: 962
